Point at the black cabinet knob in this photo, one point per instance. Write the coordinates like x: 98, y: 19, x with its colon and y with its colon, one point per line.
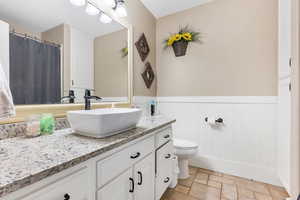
x: 135, y: 156
x: 220, y: 120
x: 141, y: 178
x: 132, y: 185
x: 168, y: 156
x: 167, y: 136
x: 167, y: 180
x: 67, y: 197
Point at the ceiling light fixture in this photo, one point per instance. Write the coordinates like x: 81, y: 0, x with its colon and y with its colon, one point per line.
x: 120, y: 8
x: 91, y: 9
x: 104, y: 18
x: 78, y: 2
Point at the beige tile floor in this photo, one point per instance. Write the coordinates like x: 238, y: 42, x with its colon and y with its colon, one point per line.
x: 209, y: 185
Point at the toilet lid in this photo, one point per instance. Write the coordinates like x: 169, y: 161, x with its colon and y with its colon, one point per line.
x: 184, y: 144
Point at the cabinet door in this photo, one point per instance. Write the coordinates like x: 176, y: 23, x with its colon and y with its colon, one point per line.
x: 164, y: 167
x: 144, y: 176
x: 82, y: 60
x: 121, y: 188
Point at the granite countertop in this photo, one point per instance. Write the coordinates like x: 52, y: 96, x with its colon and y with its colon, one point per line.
x: 26, y: 161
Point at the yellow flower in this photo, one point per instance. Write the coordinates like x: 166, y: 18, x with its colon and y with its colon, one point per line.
x: 178, y: 37
x: 170, y: 41
x: 187, y: 36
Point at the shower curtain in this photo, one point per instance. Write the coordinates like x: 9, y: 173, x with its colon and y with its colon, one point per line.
x: 35, y: 71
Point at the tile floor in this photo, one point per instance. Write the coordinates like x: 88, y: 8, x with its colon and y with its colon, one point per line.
x: 209, y: 185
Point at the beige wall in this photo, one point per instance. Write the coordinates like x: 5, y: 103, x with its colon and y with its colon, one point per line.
x: 143, y: 22
x: 23, y: 30
x: 111, y: 69
x: 238, y: 56
x: 61, y: 35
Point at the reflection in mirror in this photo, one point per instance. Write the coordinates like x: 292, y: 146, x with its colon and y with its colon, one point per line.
x: 57, y: 51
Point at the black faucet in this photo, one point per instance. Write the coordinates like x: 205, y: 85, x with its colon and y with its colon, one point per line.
x: 88, y: 98
x: 71, y: 97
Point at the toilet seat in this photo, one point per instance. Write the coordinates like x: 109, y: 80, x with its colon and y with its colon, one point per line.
x: 184, y: 144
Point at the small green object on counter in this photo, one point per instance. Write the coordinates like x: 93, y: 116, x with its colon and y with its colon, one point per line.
x: 47, y: 124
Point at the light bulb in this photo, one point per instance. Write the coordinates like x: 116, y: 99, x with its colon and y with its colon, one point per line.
x: 110, y: 3
x: 78, y: 2
x: 121, y: 10
x: 105, y: 19
x: 91, y: 9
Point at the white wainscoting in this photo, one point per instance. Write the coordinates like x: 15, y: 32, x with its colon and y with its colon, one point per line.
x: 245, y: 146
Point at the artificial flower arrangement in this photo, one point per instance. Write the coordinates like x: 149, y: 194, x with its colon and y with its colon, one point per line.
x: 180, y: 40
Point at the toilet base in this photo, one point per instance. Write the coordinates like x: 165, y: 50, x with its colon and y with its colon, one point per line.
x: 183, y: 165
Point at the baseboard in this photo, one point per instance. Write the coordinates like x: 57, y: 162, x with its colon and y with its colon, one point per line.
x: 245, y: 170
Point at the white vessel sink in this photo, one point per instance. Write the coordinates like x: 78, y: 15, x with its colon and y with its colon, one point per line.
x: 102, y: 123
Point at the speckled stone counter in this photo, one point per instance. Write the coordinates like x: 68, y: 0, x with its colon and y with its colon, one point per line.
x: 25, y: 161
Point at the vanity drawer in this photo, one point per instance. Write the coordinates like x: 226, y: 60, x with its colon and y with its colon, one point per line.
x: 164, y: 168
x: 163, y: 136
x: 74, y: 186
x: 113, y: 166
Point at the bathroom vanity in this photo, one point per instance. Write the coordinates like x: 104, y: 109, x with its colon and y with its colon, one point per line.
x: 134, y: 165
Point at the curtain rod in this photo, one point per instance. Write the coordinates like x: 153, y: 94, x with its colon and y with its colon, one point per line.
x: 25, y: 35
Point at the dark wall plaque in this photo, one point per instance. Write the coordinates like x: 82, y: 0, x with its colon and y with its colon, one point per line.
x: 148, y: 75
x: 143, y: 47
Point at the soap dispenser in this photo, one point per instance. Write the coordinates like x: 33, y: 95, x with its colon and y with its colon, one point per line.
x: 152, y: 107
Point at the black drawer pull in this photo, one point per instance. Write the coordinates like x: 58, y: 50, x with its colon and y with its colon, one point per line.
x: 167, y: 180
x: 135, y: 156
x: 67, y: 197
x: 132, y: 185
x: 167, y: 136
x: 141, y: 178
x: 168, y: 156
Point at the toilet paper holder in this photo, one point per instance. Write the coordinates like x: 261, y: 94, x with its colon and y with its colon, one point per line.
x: 218, y: 121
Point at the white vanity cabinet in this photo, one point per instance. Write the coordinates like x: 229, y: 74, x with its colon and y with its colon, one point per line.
x: 136, y: 183
x: 147, y: 179
x: 139, y: 170
x: 138, y: 162
x: 164, y: 161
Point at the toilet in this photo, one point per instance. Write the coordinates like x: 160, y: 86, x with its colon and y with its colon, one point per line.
x: 184, y: 150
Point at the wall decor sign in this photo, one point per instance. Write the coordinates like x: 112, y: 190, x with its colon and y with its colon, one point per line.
x: 148, y: 75
x: 143, y: 47
x: 179, y: 41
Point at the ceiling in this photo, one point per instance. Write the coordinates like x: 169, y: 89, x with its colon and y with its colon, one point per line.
x: 161, y: 8
x: 39, y: 16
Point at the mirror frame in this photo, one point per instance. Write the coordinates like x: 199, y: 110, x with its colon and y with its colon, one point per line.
x: 60, y: 110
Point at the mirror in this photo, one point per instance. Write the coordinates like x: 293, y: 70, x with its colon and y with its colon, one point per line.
x: 57, y: 51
